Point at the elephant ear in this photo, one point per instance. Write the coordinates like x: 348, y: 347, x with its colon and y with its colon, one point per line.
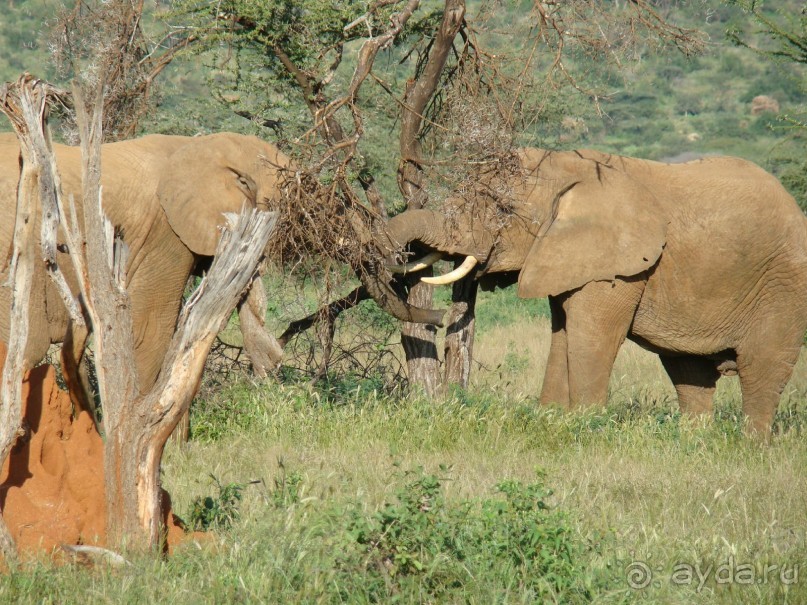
x: 201, y: 183
x: 600, y: 228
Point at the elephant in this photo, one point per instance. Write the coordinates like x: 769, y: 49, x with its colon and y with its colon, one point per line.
x: 703, y: 263
x: 166, y: 194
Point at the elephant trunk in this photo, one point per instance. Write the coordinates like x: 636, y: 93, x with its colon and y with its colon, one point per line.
x: 376, y: 281
x: 424, y: 226
x: 451, y: 235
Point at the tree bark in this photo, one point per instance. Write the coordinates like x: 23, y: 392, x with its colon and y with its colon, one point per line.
x: 418, y: 340
x: 137, y: 438
x: 21, y: 279
x: 459, y: 344
x: 26, y: 103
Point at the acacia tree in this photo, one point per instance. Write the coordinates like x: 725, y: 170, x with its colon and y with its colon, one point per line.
x: 781, y: 36
x: 114, y: 30
x: 300, y: 46
x: 459, y: 106
x: 784, y: 35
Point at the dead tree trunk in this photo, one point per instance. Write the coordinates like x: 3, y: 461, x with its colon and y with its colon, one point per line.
x: 26, y: 103
x: 142, y: 427
x: 418, y: 340
x: 138, y: 429
x: 21, y: 278
x: 137, y: 426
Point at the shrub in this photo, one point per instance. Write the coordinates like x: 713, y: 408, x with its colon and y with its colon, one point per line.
x: 421, y: 544
x: 216, y: 511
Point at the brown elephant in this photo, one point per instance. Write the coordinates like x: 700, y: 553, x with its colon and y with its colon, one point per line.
x: 704, y: 263
x: 167, y: 195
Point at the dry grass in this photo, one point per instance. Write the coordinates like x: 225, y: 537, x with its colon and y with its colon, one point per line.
x: 512, y: 358
x: 640, y: 485
x: 647, y: 486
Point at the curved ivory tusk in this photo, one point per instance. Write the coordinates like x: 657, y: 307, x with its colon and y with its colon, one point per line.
x: 416, y: 265
x: 452, y: 276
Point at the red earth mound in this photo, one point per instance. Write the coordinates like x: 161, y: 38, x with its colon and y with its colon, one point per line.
x: 52, y: 485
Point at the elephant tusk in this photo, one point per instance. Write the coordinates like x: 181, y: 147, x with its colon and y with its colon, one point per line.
x: 452, y: 276
x: 416, y: 265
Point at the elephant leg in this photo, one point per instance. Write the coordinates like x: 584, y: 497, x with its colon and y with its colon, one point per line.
x: 556, y: 378
x: 598, y: 317
x: 261, y: 347
x: 155, y: 290
x: 74, y: 368
x: 764, y: 369
x: 694, y: 379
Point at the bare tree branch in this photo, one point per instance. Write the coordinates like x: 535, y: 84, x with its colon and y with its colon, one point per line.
x: 109, y: 36
x: 418, y: 94
x: 329, y: 313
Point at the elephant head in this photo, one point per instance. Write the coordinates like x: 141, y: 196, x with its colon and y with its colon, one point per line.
x: 563, y: 221
x: 219, y: 173
x: 216, y: 174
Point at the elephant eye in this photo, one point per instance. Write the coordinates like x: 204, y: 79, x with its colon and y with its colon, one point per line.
x: 247, y: 185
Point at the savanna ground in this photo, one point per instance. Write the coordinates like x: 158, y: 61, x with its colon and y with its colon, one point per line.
x: 347, y: 493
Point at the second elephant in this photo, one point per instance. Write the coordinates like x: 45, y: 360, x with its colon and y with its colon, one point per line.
x: 167, y: 195
x: 704, y: 263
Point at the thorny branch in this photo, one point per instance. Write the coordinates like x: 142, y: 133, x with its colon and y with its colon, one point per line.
x: 599, y: 31
x: 479, y: 101
x: 105, y: 41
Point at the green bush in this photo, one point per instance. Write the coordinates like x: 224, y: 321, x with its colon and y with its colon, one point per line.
x: 219, y: 511
x: 421, y: 544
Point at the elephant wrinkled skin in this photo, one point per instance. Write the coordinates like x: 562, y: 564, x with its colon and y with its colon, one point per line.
x: 704, y: 263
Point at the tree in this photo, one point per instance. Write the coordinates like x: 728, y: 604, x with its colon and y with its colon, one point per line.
x: 305, y: 54
x: 114, y: 30
x: 783, y: 35
x: 137, y: 423
x: 460, y: 107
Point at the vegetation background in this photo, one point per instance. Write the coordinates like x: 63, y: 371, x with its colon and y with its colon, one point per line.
x: 355, y: 490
